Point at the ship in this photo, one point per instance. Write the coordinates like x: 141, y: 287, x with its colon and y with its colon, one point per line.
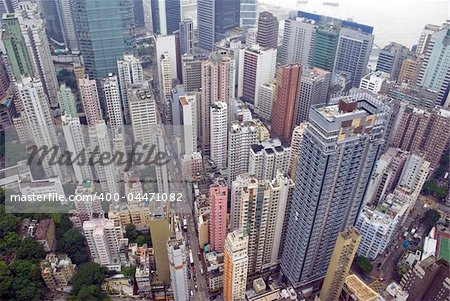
x: 331, y: 3
x: 302, y: 1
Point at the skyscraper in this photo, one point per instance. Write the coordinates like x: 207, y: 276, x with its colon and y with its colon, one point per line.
x: 268, y: 158
x: 353, y: 52
x: 90, y: 100
x: 27, y: 47
x: 103, y: 239
x: 214, y: 18
x: 286, y: 95
x: 218, y: 197
x: 178, y: 267
x: 113, y: 101
x: 186, y: 36
x: 219, y: 133
x: 66, y: 15
x: 235, y: 265
x: 166, y: 16
x: 248, y: 13
x: 256, y: 66
x: 325, y: 45
x: 435, y: 71
x: 425, y: 37
x: 240, y: 137
x: 105, y: 32
x: 148, y: 20
x: 267, y: 36
x: 298, y: 41
x: 129, y: 72
x: 192, y: 72
x: 266, y: 100
x: 360, y: 122
x: 217, y: 85
x: 314, y: 85
x: 341, y: 260
x: 410, y: 69
x: 391, y: 58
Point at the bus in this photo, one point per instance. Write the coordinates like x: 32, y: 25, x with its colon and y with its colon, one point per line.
x: 191, y: 258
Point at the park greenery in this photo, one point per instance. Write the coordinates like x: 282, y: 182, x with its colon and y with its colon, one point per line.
x: 364, y: 264
x: 136, y: 236
x: 430, y: 218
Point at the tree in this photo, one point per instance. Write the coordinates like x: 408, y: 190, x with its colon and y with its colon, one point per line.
x: 9, y: 243
x: 8, y: 222
x: 30, y: 249
x: 74, y: 245
x: 364, y: 264
x: 88, y: 274
x: 429, y: 187
x: 91, y: 293
x: 6, y: 280
x: 441, y: 192
x: 26, y: 285
x: 67, y: 77
x: 129, y: 271
x: 431, y: 217
x: 131, y: 233
x: 140, y: 240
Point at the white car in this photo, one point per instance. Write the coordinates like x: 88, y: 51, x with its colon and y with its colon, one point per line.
x: 192, y: 293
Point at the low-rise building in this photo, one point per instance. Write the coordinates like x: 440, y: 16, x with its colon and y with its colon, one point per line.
x: 214, y: 271
x: 45, y: 234
x: 57, y: 271
x: 356, y: 290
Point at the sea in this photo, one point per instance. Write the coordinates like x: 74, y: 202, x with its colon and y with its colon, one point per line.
x: 393, y: 20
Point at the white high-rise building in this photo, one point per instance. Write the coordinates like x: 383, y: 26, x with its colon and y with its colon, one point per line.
x: 256, y: 67
x: 235, y: 265
x: 249, y: 14
x: 107, y: 174
x: 148, y: 20
x: 189, y: 120
x: 219, y: 131
x: 266, y: 98
x: 103, y: 240
x: 167, y: 44
x: 414, y: 175
x: 240, y: 137
x: 298, y: 41
x: 375, y: 82
x: 113, y: 101
x: 268, y: 158
x: 90, y: 100
x: 296, y: 144
x: 178, y: 266
x: 39, y: 122
x: 130, y: 73
x: 237, y: 187
x: 76, y: 143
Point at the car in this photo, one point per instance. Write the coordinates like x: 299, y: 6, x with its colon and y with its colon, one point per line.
x: 192, y: 293
x: 196, y: 287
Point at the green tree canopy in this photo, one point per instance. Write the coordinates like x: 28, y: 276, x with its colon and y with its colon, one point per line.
x: 30, y: 249
x: 131, y: 233
x: 73, y: 244
x: 431, y: 217
x: 364, y: 264
x: 88, y: 274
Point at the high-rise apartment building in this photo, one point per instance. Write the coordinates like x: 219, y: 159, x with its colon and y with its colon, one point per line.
x: 66, y: 101
x: 341, y: 260
x: 425, y: 37
x: 268, y: 158
x: 435, y: 71
x: 191, y: 67
x: 217, y: 85
x: 105, y: 31
x: 235, y: 265
x: 267, y: 36
x: 130, y: 73
x: 188, y: 120
x: 218, y: 197
x: 166, y: 16
x: 113, y: 101
x: 90, y: 100
x: 165, y: 75
x: 219, y: 133
x: 27, y: 47
x: 178, y: 267
x: 186, y: 36
x: 314, y: 85
x: 342, y: 140
x: 169, y: 44
x: 39, y: 123
x: 248, y: 13
x: 391, y: 58
x: 256, y: 67
x: 353, y: 52
x: 76, y: 141
x: 103, y: 239
x: 423, y: 131
x: 296, y: 146
x: 240, y: 137
x: 298, y: 41
x: 148, y: 19
x: 427, y: 280
x: 286, y: 96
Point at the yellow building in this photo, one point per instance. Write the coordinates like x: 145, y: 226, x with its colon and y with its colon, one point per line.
x: 356, y: 290
x: 410, y: 70
x: 57, y: 270
x: 203, y: 230
x: 341, y: 260
x: 235, y: 265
